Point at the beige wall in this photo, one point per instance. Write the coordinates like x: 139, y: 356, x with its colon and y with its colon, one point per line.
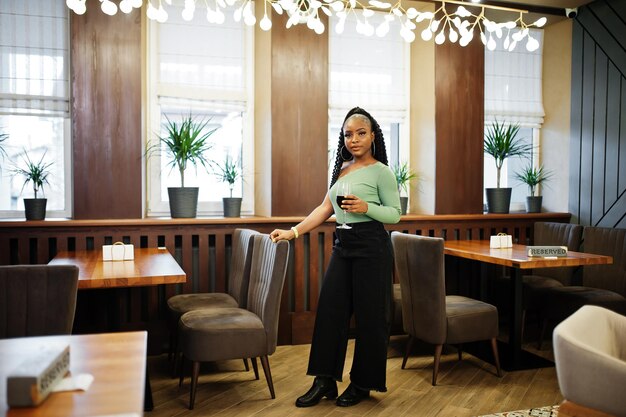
x: 422, y: 197
x: 262, y: 119
x: 555, y: 140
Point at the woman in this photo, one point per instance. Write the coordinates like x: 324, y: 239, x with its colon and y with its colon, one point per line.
x: 358, y: 279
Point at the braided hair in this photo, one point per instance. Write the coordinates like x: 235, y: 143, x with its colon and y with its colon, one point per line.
x: 379, y: 142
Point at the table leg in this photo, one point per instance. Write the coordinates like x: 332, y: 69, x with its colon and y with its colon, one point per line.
x: 515, y: 325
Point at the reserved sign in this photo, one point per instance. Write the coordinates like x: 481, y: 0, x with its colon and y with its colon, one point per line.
x: 547, y: 251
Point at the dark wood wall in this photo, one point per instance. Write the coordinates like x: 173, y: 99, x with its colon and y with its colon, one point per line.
x: 459, y: 121
x: 107, y: 123
x: 106, y: 114
x: 598, y: 117
x: 299, y: 118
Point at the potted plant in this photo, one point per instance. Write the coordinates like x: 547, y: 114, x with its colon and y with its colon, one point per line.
x: 3, y: 153
x: 404, y: 175
x: 229, y: 172
x: 37, y: 173
x: 532, y: 177
x: 186, y: 143
x: 501, y: 142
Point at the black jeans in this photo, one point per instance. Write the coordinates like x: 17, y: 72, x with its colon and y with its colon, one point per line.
x: 358, y: 280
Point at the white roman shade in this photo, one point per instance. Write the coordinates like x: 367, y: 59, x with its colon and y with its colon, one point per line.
x: 34, y: 64
x: 368, y: 71
x: 513, y: 91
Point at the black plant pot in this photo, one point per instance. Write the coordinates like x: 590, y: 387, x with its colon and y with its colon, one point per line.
x: 498, y: 200
x: 183, y: 201
x: 404, y: 204
x: 533, y: 204
x: 232, y: 206
x: 35, y: 208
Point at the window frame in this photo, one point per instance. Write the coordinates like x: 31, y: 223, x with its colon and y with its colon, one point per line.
x: 154, y: 205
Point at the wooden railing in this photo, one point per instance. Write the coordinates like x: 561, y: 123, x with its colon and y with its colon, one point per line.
x: 203, y: 246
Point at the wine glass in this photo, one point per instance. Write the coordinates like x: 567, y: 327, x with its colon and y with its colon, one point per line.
x: 342, y: 191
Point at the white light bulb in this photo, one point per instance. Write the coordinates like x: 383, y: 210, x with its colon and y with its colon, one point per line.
x: 440, y: 38
x: 532, y: 44
x: 411, y: 13
x: 340, y: 26
x: 512, y: 45
x: 71, y: 4
x: 483, y: 38
x: 152, y: 12
x: 540, y: 22
x: 407, y: 35
x: 136, y: 3
x: 453, y: 36
x: 466, y: 39
x: 434, y: 25
x: 382, y: 29
x: 162, y: 15
x: 126, y: 7
x: 187, y: 14
x: 108, y: 7
x: 491, y: 44
x: 265, y: 23
x: 219, y: 17
x: 319, y: 27
x: 337, y: 6
x: 80, y: 8
x: 427, y: 34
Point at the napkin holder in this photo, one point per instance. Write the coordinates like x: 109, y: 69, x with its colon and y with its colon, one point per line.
x: 500, y: 241
x: 118, y: 252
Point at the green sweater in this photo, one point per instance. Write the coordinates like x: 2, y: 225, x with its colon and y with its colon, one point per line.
x: 376, y: 185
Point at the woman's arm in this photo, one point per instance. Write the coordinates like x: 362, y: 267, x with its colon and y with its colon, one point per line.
x: 318, y: 216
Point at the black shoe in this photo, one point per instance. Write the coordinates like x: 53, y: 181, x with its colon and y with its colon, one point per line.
x: 322, y: 387
x: 352, y: 396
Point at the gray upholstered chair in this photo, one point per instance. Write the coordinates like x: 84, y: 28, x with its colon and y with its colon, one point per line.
x: 230, y: 333
x: 235, y: 297
x: 37, y: 300
x: 590, y: 358
x: 602, y: 285
x: 427, y: 313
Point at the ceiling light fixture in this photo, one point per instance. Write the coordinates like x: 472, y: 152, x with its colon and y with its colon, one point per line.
x: 442, y: 24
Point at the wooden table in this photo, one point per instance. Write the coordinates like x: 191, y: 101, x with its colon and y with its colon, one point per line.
x: 117, y: 362
x: 517, y: 259
x: 151, y: 266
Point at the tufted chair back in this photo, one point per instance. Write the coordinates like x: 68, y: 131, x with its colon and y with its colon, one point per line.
x: 267, y: 276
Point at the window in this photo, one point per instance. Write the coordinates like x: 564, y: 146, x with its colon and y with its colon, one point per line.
x: 373, y: 73
x: 34, y: 101
x: 513, y: 94
x: 190, y: 74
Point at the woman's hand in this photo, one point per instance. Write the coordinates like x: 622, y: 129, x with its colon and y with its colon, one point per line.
x: 353, y: 204
x: 280, y: 234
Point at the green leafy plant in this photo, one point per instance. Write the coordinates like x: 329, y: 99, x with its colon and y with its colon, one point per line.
x: 228, y: 172
x: 3, y: 138
x: 404, y: 175
x: 532, y: 177
x: 35, y: 172
x: 501, y: 142
x: 186, y: 143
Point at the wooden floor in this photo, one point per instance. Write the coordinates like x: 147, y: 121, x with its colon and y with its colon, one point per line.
x: 466, y: 388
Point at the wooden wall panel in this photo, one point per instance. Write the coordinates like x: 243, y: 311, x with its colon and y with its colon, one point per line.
x: 598, y: 121
x: 299, y: 118
x: 459, y: 120
x: 106, y: 114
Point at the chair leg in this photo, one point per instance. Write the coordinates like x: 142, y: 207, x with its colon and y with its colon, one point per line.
x: 496, y: 356
x: 409, y: 345
x: 460, y: 351
x: 245, y: 364
x: 194, y: 384
x: 523, y: 325
x: 542, y: 332
x: 255, y: 367
x: 438, y: 350
x: 265, y: 362
x: 182, y: 371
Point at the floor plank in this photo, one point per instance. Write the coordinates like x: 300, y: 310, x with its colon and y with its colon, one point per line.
x: 466, y: 388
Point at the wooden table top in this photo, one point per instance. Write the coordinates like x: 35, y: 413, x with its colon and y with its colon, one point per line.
x: 117, y: 362
x: 151, y: 266
x: 517, y: 256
